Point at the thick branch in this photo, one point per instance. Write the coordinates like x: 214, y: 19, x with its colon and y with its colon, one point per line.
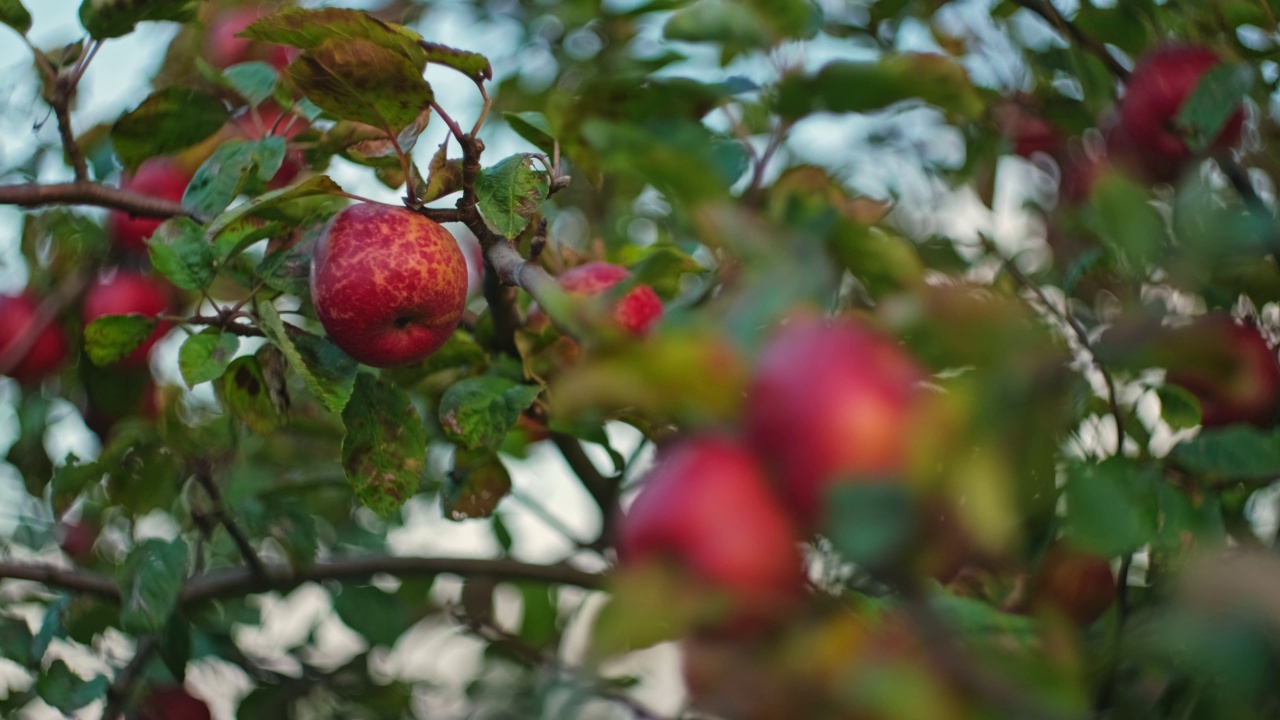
x: 1045, y: 9
x: 81, y: 581
x: 88, y: 193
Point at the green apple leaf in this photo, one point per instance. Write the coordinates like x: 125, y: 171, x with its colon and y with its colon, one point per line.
x: 870, y: 523
x: 51, y: 626
x: 681, y: 158
x: 473, y: 65
x: 288, y: 271
x: 385, y: 450
x: 15, y: 640
x: 731, y: 24
x: 863, y: 87
x: 532, y: 126
x: 1218, y: 95
x: 239, y: 235
x: 66, y: 691
x: 362, y: 81
x: 478, y: 412
x: 379, y: 616
x: 253, y: 398
x: 329, y: 373
x: 70, y: 480
x: 511, y: 192
x: 110, y: 338
x: 206, y: 355
x: 169, y: 120
x: 175, y: 645
x: 310, y: 29
x: 1178, y: 407
x: 1237, y: 452
x: 475, y: 486
x: 254, y: 81
x: 179, y: 251
x: 228, y: 172
x: 115, y: 18
x: 1126, y: 221
x: 272, y: 202
x: 13, y: 14
x: 150, y: 580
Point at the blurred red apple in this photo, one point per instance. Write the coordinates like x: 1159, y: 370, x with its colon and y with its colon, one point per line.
x: 636, y: 312
x: 126, y: 292
x: 1231, y: 369
x: 78, y: 539
x: 388, y: 285
x: 268, y: 122
x: 46, y: 353
x: 831, y: 404
x: 708, y: 508
x: 157, y: 177
x: 225, y: 49
x: 1026, y: 131
x: 1159, y: 86
x: 1077, y: 584
x: 173, y: 702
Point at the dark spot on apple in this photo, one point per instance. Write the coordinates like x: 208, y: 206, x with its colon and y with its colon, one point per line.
x: 403, y: 322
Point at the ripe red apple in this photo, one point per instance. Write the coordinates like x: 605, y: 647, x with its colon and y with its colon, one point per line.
x: 157, y: 177
x: 224, y: 49
x: 126, y: 292
x: 268, y: 123
x: 1075, y: 583
x: 708, y: 508
x: 78, y: 539
x: 831, y: 404
x: 173, y: 702
x: 636, y: 312
x: 388, y: 285
x: 46, y: 353
x: 1160, y: 84
x: 1231, y: 369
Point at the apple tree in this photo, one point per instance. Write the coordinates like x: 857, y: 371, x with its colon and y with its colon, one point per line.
x: 901, y: 359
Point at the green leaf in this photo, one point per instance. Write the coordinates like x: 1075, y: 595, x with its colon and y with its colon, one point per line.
x: 1123, y: 216
x: 239, y: 235
x: 253, y: 81
x: 229, y: 170
x: 309, y: 29
x: 1178, y: 407
x: 871, y: 86
x: 13, y: 14
x: 384, y: 452
x: 248, y: 396
x: 511, y: 192
x: 15, y: 641
x: 1238, y: 452
x: 1111, y: 507
x: 67, y: 692
x: 175, y: 645
x: 661, y: 267
x: 731, y: 24
x: 679, y: 157
x: 1218, y: 95
x: 271, y: 202
x: 150, y: 580
x: 51, y: 626
x: 539, y: 619
x: 169, y: 120
x: 478, y: 412
x: 288, y: 271
x: 70, y: 480
x: 362, y: 81
x: 329, y: 373
x: 870, y: 523
x: 380, y: 617
x: 475, y: 486
x: 110, y: 338
x: 532, y: 126
x: 206, y: 355
x: 180, y: 252
x: 115, y: 18
x: 473, y: 65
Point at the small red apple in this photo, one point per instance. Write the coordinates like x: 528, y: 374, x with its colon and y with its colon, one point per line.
x: 1075, y: 583
x: 173, y: 702
x: 388, y: 284
x: 126, y: 292
x: 636, y: 312
x: 78, y: 539
x: 1160, y: 84
x: 157, y: 177
x: 831, y: 404
x: 46, y: 353
x: 225, y: 49
x: 707, y: 507
x: 1235, y: 373
x: 267, y: 123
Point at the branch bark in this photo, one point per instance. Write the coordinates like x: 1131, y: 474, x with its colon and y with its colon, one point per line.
x: 1046, y: 10
x: 83, y: 192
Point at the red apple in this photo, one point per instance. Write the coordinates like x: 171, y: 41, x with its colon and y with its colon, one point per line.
x: 78, y: 539
x: 225, y: 49
x: 1231, y: 369
x: 1026, y: 131
x: 1077, y: 584
x: 173, y: 702
x: 707, y: 507
x: 636, y: 312
x: 1160, y: 84
x: 268, y: 123
x: 831, y: 404
x: 157, y: 177
x: 45, y: 354
x: 126, y: 292
x: 388, y: 285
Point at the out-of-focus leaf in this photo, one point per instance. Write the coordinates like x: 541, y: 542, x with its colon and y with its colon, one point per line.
x: 311, y: 28
x: 1238, y: 452
x: 66, y: 691
x: 870, y: 523
x: 478, y: 412
x: 385, y: 449
x: 648, y: 605
x: 862, y: 87
x: 170, y: 119
x: 473, y: 65
x: 475, y: 486
x: 110, y: 338
x: 729, y: 23
x: 71, y: 479
x: 1178, y: 407
x: 229, y: 171
x: 115, y: 18
x: 206, y: 355
x: 15, y: 640
x: 330, y: 374
x: 180, y: 252
x: 150, y: 579
x: 532, y: 126
x: 681, y: 158
x: 1218, y: 95
x: 380, y: 617
x: 13, y: 14
x: 661, y: 267
x: 362, y: 81
x: 1123, y: 217
x: 510, y: 193
x: 254, y: 81
x: 175, y: 645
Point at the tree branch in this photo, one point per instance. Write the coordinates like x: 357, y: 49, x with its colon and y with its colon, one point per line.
x: 204, y: 476
x: 1046, y: 10
x: 122, y: 686
x: 603, y: 490
x: 89, y: 193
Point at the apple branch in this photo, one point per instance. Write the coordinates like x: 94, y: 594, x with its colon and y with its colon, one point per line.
x: 1046, y: 10
x: 204, y: 476
x: 84, y: 192
x: 603, y: 490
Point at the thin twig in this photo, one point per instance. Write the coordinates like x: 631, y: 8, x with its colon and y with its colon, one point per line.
x: 1046, y: 10
x: 603, y: 490
x: 122, y: 685
x: 204, y: 476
